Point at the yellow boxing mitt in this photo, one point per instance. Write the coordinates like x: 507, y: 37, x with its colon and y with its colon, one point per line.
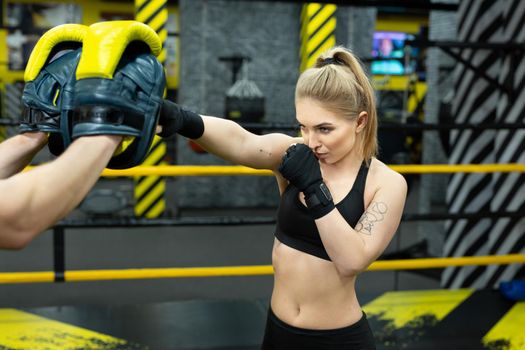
x: 119, y: 88
x: 50, y: 78
x: 106, y: 43
x: 63, y: 37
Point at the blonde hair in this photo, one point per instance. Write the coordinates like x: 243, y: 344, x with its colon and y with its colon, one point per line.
x: 339, y: 82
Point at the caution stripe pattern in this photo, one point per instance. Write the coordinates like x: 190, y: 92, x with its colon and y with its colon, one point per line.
x: 478, y: 101
x: 318, y: 23
x: 509, y: 329
x: 23, y: 330
x: 440, y: 319
x: 149, y: 191
x: 509, y: 145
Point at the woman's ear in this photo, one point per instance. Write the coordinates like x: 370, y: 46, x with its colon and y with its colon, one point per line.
x: 362, y: 119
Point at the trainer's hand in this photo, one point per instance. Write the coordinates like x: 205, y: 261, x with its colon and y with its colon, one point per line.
x: 177, y: 120
x: 37, y: 139
x: 301, y: 168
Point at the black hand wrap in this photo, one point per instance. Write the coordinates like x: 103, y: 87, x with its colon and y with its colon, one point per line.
x: 177, y: 120
x: 301, y: 168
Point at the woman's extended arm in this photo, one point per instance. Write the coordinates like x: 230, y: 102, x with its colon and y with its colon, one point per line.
x: 228, y: 140
x: 225, y: 138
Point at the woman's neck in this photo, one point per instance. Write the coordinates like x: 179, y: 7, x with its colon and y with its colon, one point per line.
x: 347, y: 165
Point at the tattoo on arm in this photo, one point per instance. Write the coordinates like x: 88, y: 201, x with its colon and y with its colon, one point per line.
x: 374, y: 213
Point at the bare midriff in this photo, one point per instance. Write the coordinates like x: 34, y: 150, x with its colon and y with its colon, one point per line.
x: 310, y: 293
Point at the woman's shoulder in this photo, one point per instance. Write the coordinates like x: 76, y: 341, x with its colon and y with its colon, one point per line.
x: 380, y: 174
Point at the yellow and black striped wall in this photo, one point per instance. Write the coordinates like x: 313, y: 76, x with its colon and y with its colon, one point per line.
x: 149, y: 191
x: 318, y: 24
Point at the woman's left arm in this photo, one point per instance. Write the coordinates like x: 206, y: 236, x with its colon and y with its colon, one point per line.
x: 352, y: 250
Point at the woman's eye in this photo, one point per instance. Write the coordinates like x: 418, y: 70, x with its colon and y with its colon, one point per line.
x: 324, y: 130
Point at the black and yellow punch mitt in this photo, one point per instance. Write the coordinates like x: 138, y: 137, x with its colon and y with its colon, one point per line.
x: 49, y: 81
x: 120, y: 87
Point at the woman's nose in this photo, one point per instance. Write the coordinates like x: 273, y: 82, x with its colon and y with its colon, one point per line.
x: 313, y: 143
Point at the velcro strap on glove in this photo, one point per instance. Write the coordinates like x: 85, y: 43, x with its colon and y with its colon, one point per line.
x: 49, y: 77
x: 319, y: 200
x: 119, y: 88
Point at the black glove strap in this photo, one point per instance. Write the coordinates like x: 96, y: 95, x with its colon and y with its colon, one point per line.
x: 319, y: 200
x: 107, y: 115
x: 35, y: 116
x: 33, y: 120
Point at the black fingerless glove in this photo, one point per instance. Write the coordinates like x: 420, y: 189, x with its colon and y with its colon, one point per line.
x: 301, y: 168
x: 176, y: 120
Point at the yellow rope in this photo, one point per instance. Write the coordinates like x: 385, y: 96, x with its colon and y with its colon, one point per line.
x: 27, y: 277
x: 427, y: 263
x: 186, y: 170
x: 185, y: 272
x: 175, y: 272
x: 225, y: 170
x: 222, y: 170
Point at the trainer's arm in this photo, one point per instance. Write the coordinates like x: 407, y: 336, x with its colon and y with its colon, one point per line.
x: 17, y: 151
x: 33, y: 201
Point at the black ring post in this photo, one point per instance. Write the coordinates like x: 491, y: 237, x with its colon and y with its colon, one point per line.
x: 59, y: 258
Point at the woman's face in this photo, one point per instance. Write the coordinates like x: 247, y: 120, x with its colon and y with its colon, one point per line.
x: 330, y: 136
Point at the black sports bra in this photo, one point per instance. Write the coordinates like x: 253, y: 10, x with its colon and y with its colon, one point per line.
x: 297, y: 229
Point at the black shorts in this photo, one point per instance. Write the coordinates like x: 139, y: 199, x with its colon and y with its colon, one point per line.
x: 279, y: 335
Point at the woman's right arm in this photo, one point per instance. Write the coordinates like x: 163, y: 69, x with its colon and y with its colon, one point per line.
x: 228, y: 140
x: 225, y: 138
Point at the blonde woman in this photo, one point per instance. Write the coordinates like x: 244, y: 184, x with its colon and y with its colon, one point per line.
x: 339, y: 207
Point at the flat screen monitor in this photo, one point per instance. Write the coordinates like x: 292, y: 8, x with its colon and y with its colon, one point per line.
x: 388, y: 50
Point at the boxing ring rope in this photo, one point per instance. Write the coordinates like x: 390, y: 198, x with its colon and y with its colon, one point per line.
x: 61, y: 275
x: 229, y: 170
x: 255, y: 270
